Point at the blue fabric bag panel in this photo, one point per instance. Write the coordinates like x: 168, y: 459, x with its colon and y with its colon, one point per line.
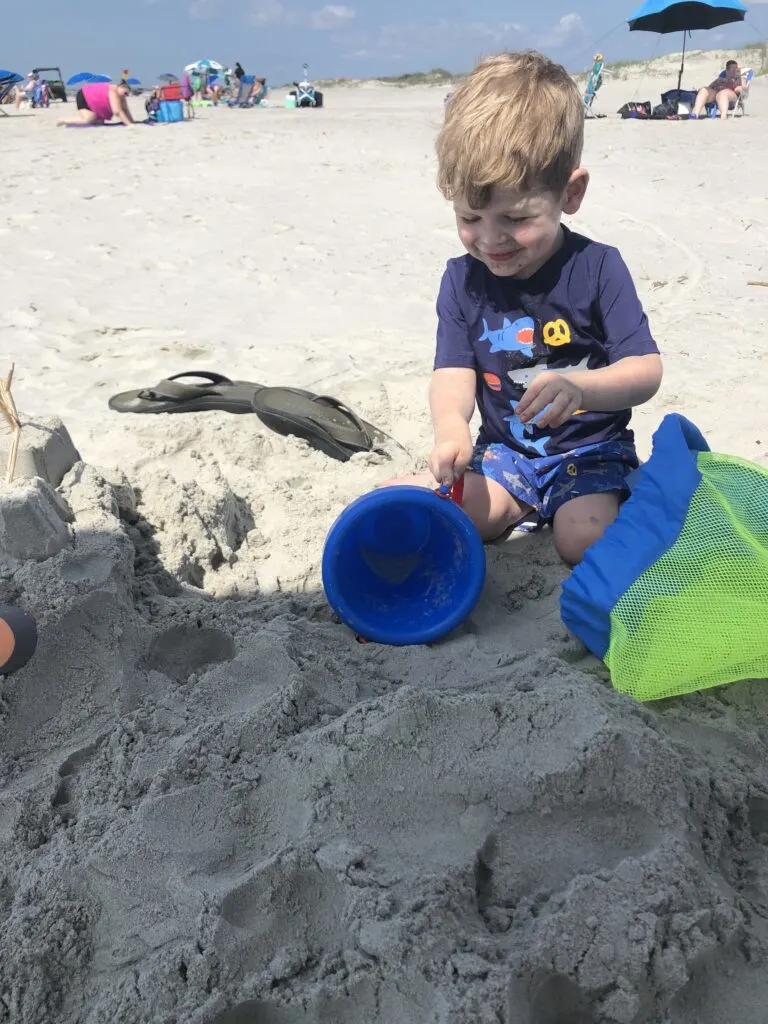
x: 170, y: 110
x: 648, y: 524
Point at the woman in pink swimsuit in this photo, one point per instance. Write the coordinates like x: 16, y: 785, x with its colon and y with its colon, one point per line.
x: 100, y: 102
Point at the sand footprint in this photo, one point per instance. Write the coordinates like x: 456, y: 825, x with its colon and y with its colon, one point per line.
x: 550, y: 999
x: 63, y: 801
x: 183, y: 650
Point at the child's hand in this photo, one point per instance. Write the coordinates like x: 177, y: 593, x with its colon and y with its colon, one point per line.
x: 448, y: 460
x: 555, y: 391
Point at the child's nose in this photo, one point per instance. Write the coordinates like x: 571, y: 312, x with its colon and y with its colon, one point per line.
x: 494, y: 239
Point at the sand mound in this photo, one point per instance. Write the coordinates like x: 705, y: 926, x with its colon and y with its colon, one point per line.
x: 217, y: 808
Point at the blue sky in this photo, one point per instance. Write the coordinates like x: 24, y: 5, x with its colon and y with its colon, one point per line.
x: 356, y: 38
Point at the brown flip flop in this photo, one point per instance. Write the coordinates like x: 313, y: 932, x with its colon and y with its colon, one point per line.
x: 173, y: 395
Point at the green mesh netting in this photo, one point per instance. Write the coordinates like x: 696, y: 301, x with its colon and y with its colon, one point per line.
x: 698, y: 617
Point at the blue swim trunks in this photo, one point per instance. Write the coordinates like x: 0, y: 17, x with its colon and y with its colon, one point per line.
x: 547, y: 483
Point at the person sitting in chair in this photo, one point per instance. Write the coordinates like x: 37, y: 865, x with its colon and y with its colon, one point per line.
x: 724, y: 91
x: 258, y: 92
x: 27, y: 91
x: 152, y: 103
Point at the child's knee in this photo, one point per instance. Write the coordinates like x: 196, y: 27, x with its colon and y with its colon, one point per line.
x: 581, y: 522
x: 490, y: 506
x: 571, y: 543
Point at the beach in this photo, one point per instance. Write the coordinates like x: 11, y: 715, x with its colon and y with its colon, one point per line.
x: 216, y: 807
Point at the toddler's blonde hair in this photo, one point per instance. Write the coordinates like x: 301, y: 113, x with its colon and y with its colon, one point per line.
x: 517, y: 121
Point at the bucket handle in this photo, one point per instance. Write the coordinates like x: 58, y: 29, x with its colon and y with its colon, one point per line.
x: 453, y: 492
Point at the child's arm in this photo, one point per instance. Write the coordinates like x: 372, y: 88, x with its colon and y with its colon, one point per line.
x: 452, y: 389
x: 622, y: 385
x: 452, y: 402
x: 629, y: 382
x: 634, y: 369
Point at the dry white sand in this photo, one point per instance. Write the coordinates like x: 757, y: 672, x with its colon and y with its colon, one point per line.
x: 216, y: 807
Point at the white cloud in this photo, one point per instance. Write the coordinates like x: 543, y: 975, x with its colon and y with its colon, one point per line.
x: 257, y: 12
x: 265, y: 12
x: 201, y: 9
x: 497, y: 32
x: 331, y: 16
x: 568, y: 26
x: 417, y: 36
x: 418, y: 41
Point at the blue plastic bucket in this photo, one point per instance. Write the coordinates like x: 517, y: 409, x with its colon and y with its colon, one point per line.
x: 402, y: 565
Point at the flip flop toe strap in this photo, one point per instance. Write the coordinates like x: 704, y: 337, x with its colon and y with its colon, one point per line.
x: 171, y: 390
x: 214, y: 378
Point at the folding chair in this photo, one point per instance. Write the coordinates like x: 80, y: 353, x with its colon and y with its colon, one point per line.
x: 747, y: 74
x: 594, y: 81
x: 8, y: 81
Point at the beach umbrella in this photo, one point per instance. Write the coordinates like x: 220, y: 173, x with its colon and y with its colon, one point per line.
x: 205, y: 65
x: 133, y: 81
x: 81, y: 76
x: 167, y: 77
x: 9, y: 76
x: 686, y: 16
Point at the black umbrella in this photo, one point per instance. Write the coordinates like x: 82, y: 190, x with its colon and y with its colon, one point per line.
x: 168, y: 77
x: 665, y: 16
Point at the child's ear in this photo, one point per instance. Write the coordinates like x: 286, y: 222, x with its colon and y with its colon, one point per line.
x: 575, y: 190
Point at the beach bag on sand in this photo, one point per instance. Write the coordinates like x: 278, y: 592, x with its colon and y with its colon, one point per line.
x: 674, y: 597
x: 665, y: 111
x: 634, y: 109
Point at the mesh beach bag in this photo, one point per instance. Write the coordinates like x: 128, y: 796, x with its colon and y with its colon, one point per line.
x: 674, y: 597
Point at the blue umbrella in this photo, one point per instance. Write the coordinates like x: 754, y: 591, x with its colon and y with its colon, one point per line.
x: 133, y: 81
x: 686, y: 16
x: 100, y: 78
x: 81, y: 76
x: 9, y: 77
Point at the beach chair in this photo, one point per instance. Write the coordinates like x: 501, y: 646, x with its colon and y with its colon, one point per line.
x: 594, y: 81
x: 739, y: 106
x: 8, y: 81
x: 261, y: 95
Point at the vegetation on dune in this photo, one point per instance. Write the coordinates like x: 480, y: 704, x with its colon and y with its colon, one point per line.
x: 755, y: 55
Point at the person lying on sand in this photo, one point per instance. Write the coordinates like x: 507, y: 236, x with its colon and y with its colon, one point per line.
x: 539, y: 327
x: 100, y: 102
x: 724, y: 91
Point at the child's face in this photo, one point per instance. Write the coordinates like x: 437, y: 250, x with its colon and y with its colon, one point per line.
x: 517, y: 232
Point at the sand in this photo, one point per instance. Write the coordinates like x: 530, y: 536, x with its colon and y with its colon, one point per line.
x: 216, y: 807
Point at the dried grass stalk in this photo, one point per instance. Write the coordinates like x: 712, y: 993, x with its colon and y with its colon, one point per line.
x: 10, y: 414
